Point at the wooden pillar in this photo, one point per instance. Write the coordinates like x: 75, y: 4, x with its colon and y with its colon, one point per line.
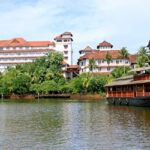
x: 143, y: 90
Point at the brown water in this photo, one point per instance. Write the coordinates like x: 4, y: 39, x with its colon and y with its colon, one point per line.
x: 73, y: 125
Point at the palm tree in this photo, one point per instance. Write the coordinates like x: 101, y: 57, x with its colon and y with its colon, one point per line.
x: 108, y: 58
x: 92, y: 64
x: 143, y: 57
x: 124, y: 54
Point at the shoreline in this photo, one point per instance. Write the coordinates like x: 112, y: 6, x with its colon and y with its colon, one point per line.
x: 67, y: 96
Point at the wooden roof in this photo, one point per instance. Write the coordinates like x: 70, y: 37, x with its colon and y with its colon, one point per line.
x: 128, y: 80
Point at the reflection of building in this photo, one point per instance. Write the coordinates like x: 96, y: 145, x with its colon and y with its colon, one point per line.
x: 99, y: 55
x: 19, y: 51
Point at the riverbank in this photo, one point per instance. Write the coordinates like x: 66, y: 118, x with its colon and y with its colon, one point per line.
x: 68, y: 96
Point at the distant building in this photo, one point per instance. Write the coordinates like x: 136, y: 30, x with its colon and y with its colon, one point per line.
x: 18, y: 50
x: 99, y: 56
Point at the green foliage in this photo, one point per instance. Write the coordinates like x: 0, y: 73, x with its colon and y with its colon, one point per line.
x: 92, y: 64
x: 108, y: 58
x: 21, y: 84
x: 143, y: 57
x: 120, y: 71
x: 87, y: 83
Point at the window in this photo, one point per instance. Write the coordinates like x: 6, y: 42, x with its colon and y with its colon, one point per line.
x: 65, y: 40
x: 117, y: 61
x: 99, y: 61
x: 66, y: 58
x: 108, y: 69
x: 65, y: 52
x: 65, y: 46
x: 82, y: 63
x: 99, y: 69
x: 59, y: 40
x: 103, y: 61
x: 126, y: 61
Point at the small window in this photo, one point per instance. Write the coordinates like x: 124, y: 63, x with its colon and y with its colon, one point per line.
x: 99, y: 61
x: 66, y: 58
x: 117, y: 61
x: 65, y: 40
x: 99, y: 69
x: 65, y: 46
x: 59, y: 40
x: 65, y: 52
x: 108, y: 69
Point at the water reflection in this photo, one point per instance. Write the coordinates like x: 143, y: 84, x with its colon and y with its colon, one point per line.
x: 73, y: 125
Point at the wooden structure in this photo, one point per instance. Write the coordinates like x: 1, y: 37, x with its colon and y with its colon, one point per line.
x: 131, y: 90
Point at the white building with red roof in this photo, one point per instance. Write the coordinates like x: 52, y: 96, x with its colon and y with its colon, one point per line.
x: 19, y: 51
x: 99, y: 55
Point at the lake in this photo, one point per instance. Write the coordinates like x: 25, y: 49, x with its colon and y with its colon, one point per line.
x: 73, y: 125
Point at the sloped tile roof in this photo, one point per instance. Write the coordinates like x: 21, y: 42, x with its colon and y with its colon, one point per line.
x: 104, y: 44
x: 22, y: 42
x: 101, y: 54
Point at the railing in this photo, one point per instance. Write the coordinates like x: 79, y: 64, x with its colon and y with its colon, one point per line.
x: 127, y: 94
x: 142, y: 93
x: 120, y: 94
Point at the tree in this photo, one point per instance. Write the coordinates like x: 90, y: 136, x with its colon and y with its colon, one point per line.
x: 92, y: 64
x: 21, y: 84
x: 119, y: 72
x: 143, y: 57
x: 108, y: 58
x: 124, y: 54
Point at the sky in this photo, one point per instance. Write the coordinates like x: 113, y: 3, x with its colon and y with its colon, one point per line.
x: 124, y: 23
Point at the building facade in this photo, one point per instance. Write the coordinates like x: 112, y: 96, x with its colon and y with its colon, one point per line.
x: 99, y: 55
x: 18, y: 50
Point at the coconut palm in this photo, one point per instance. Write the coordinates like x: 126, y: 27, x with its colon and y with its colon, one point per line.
x: 143, y: 57
x: 124, y: 54
x: 92, y: 64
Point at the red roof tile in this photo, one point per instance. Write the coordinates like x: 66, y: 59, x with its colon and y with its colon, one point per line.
x: 133, y: 58
x: 101, y: 54
x: 105, y: 44
x: 60, y: 37
x: 73, y: 67
x: 19, y: 42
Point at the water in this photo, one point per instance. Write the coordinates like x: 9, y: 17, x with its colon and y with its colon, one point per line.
x: 73, y: 125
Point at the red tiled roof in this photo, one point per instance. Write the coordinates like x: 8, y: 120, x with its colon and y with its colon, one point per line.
x: 67, y: 33
x: 105, y: 44
x: 87, y: 49
x: 73, y: 67
x: 133, y: 58
x: 22, y: 42
x: 59, y: 37
x: 101, y: 54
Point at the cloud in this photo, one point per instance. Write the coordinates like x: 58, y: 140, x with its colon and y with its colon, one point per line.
x: 124, y: 23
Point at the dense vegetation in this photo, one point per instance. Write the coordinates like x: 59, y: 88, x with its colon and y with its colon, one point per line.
x: 44, y: 76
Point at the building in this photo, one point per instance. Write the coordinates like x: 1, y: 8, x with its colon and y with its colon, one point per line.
x: 18, y: 50
x: 99, y: 55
